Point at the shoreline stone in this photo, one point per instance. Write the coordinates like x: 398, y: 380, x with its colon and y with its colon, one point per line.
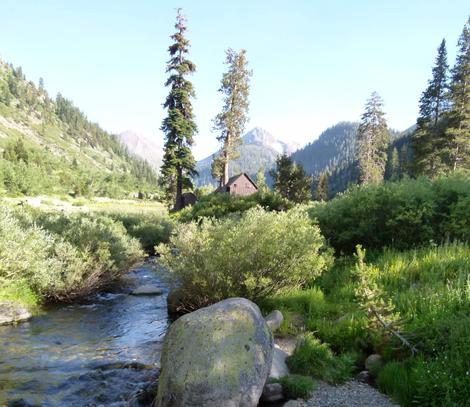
x: 12, y: 313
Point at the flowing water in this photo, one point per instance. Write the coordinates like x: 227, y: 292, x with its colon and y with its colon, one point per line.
x: 101, y: 353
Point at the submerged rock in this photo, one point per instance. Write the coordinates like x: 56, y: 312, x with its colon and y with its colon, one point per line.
x: 216, y: 356
x: 148, y: 289
x: 11, y: 313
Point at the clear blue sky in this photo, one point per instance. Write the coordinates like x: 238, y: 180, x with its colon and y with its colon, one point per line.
x: 314, y: 62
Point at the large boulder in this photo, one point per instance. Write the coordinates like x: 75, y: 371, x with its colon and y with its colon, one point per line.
x: 216, y: 356
x: 274, y: 320
x: 11, y: 313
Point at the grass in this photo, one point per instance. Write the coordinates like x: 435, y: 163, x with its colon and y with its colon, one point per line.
x: 429, y: 288
x: 296, y: 386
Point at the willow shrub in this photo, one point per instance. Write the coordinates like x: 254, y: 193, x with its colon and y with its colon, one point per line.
x: 254, y: 255
x: 401, y: 214
x: 62, y: 257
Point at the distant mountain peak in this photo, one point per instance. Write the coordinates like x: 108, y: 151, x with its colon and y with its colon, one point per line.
x: 146, y: 148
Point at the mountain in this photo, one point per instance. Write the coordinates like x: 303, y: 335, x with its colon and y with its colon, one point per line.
x: 334, y: 152
x: 50, y: 147
x: 143, y: 147
x: 259, y: 150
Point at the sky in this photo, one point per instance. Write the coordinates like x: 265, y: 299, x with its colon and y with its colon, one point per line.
x: 314, y: 62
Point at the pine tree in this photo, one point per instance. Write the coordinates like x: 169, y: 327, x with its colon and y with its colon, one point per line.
x: 393, y: 166
x: 179, y: 127
x: 235, y: 87
x: 261, y: 180
x: 217, y: 168
x: 459, y: 116
x: 290, y: 180
x: 373, y: 140
x: 429, y: 139
x: 321, y: 192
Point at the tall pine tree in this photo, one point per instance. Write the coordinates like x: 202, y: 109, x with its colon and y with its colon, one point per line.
x: 429, y: 139
x: 321, y: 191
x: 179, y: 127
x: 373, y: 140
x: 235, y: 87
x: 458, y: 131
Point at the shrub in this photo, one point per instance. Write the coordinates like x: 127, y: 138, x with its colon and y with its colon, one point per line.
x: 315, y: 358
x: 403, y: 214
x: 149, y: 229
x: 255, y: 256
x: 220, y: 205
x: 62, y: 257
x: 297, y: 386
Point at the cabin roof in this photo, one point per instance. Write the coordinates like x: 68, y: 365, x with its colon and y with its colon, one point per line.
x: 232, y: 181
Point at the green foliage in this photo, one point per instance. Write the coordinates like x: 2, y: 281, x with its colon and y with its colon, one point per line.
x: 397, y: 379
x: 149, y: 229
x: 62, y: 257
x: 321, y: 192
x: 255, y: 255
x: 220, y: 205
x: 314, y: 358
x: 290, y: 180
x: 235, y: 87
x: 297, y: 386
x: 373, y: 140
x: 403, y: 215
x: 429, y: 141
x: 179, y: 126
x: 458, y: 131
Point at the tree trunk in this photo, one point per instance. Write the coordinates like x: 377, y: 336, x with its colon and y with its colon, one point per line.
x: 179, y: 190
x: 226, y: 159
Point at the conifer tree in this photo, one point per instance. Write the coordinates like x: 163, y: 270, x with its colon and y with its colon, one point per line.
x: 393, y: 166
x: 261, y: 180
x: 290, y: 180
x: 230, y: 123
x: 429, y: 139
x: 458, y: 131
x: 373, y: 140
x: 217, y: 168
x: 179, y: 127
x: 321, y: 192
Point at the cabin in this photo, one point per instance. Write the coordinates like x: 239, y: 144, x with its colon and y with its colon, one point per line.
x: 238, y: 185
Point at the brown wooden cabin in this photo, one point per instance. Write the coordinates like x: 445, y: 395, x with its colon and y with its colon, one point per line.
x: 238, y: 185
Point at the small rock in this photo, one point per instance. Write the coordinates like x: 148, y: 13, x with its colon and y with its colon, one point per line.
x: 147, y: 289
x: 274, y: 320
x: 363, y: 377
x: 279, y: 367
x: 11, y: 313
x: 272, y: 392
x: 373, y: 364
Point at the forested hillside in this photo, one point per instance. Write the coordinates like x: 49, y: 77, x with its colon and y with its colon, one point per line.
x: 334, y: 152
x: 49, y: 146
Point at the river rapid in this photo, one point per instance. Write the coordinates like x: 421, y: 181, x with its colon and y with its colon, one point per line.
x: 100, y: 353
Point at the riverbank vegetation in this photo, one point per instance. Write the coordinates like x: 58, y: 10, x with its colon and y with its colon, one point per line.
x: 51, y: 255
x: 398, y: 285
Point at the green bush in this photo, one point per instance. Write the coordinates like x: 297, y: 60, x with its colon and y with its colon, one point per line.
x: 220, y: 205
x: 314, y: 358
x: 404, y: 214
x: 297, y: 386
x: 149, y: 229
x: 256, y: 255
x: 62, y: 257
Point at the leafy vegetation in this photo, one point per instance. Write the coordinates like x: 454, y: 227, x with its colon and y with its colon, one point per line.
x: 403, y: 214
x: 220, y: 205
x: 59, y: 257
x: 254, y: 255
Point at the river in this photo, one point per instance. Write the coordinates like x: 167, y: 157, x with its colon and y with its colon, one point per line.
x: 100, y: 353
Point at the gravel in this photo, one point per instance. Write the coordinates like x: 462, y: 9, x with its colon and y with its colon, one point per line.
x: 350, y: 394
